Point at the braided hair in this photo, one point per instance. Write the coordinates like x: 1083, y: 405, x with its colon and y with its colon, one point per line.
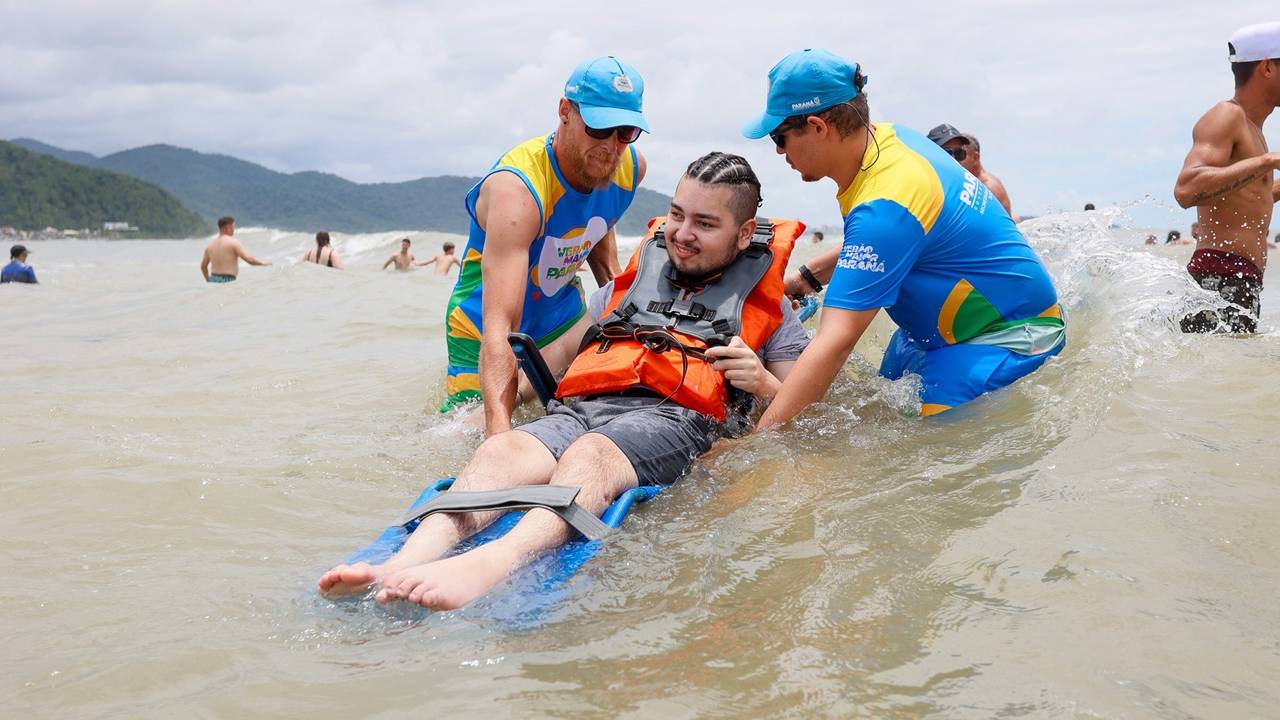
x: 718, y: 168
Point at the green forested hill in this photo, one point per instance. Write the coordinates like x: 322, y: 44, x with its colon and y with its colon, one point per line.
x: 215, y: 185
x: 38, y: 191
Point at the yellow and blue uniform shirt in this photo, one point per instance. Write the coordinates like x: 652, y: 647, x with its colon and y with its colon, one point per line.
x: 572, y: 224
x: 926, y: 240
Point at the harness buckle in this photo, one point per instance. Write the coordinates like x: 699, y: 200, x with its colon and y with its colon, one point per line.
x: 660, y: 235
x: 691, y: 309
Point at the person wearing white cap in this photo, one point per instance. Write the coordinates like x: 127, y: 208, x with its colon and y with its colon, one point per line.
x: 1228, y: 178
x: 545, y: 207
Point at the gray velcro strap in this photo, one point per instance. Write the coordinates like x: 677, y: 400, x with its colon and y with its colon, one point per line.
x: 559, y: 499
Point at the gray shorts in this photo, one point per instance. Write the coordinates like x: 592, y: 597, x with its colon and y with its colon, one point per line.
x: 660, y: 439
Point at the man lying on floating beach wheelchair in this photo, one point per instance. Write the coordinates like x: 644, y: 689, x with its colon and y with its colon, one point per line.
x: 687, y: 338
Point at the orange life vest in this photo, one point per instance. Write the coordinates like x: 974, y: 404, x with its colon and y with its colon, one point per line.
x: 653, y: 332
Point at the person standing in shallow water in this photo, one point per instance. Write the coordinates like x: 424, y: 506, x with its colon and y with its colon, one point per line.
x: 967, y: 151
x: 18, y: 270
x: 445, y: 261
x: 547, y: 206
x: 224, y: 253
x: 1228, y: 178
x: 403, y: 260
x: 324, y: 253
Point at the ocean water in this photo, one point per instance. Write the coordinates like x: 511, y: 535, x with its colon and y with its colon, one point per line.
x: 180, y: 461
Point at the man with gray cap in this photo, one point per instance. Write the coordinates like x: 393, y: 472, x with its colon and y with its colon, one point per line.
x: 968, y: 152
x: 1228, y: 178
x: 548, y: 205
x: 18, y: 270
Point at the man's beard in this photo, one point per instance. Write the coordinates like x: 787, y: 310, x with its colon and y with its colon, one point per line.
x: 594, y: 182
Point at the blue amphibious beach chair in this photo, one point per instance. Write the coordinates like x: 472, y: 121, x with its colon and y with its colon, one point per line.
x: 565, y: 560
x: 571, y: 556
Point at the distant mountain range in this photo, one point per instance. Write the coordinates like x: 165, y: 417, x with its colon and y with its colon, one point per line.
x: 38, y: 191
x: 216, y: 185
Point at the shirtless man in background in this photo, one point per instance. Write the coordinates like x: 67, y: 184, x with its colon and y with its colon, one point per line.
x: 968, y: 152
x: 225, y: 254
x: 403, y: 259
x: 988, y: 178
x: 445, y: 261
x: 1228, y: 178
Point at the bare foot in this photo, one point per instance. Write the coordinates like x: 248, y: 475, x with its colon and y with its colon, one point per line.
x: 450, y: 583
x: 424, y: 545
x: 350, y: 579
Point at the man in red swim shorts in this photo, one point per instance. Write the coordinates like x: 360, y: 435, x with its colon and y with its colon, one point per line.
x: 1228, y: 178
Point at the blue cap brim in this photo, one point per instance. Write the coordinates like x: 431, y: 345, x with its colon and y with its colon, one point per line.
x: 599, y: 118
x: 761, y: 125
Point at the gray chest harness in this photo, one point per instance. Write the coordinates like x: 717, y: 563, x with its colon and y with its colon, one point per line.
x: 662, y: 300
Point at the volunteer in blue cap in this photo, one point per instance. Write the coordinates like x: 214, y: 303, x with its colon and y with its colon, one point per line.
x: 544, y: 208
x: 923, y: 238
x: 1228, y: 177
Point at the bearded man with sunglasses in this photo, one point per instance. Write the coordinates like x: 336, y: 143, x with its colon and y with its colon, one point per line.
x: 545, y: 207
x: 924, y: 239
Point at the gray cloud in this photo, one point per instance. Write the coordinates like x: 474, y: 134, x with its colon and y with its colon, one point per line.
x: 1091, y: 101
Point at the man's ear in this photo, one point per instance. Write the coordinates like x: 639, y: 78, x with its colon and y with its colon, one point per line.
x: 745, y: 234
x: 565, y: 109
x: 818, y: 125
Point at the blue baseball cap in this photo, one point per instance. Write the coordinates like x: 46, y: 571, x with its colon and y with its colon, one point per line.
x: 609, y: 93
x: 806, y: 81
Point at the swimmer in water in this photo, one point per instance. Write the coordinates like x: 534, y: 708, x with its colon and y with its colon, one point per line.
x: 403, y: 260
x: 445, y: 261
x: 18, y: 270
x: 324, y: 253
x: 224, y: 254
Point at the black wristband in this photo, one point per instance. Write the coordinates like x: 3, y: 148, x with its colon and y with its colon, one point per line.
x: 810, y: 278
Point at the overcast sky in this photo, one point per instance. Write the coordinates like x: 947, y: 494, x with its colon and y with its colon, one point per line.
x: 1088, y: 101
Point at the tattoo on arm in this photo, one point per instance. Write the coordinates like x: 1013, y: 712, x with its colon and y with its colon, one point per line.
x: 1208, y: 194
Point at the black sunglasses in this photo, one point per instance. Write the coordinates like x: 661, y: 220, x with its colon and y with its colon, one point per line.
x: 779, y: 135
x: 958, y: 153
x: 627, y: 134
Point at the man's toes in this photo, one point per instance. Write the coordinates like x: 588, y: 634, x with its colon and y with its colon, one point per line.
x: 416, y: 594
x: 331, y: 579
x: 357, y: 572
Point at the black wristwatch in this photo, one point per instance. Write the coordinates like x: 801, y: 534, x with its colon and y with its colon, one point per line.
x: 810, y: 278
